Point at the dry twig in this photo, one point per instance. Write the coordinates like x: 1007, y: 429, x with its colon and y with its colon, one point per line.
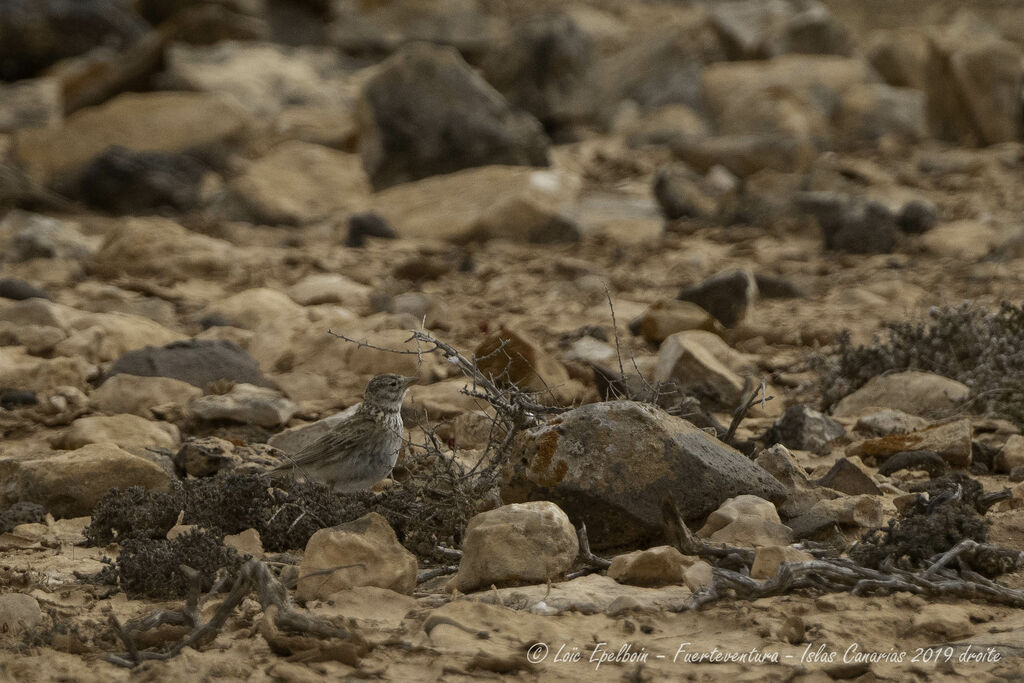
x: 254, y: 575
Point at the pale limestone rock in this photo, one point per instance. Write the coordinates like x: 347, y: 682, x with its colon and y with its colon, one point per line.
x: 517, y: 543
x: 370, y: 544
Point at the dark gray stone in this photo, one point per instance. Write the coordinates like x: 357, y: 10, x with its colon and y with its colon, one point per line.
x: 774, y: 287
x: 612, y: 464
x: 918, y: 216
x: 812, y: 526
x: 851, y: 224
x: 426, y: 112
x: 367, y: 224
x: 16, y: 398
x: 679, y: 195
x: 727, y: 296
x: 125, y: 181
x: 37, y: 33
x: 22, y: 512
x: 195, y: 361
x: 19, y: 290
x: 805, y: 429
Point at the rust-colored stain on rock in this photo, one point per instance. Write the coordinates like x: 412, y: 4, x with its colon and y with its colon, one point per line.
x: 546, y: 475
x: 893, y: 443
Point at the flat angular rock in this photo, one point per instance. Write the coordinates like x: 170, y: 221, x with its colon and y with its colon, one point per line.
x: 476, y: 199
x: 780, y: 463
x: 918, y: 393
x: 267, y: 79
x: 863, y: 511
x: 668, y: 316
x: 889, y: 421
x: 847, y: 477
x: 658, y: 566
x: 297, y: 183
x: 685, y: 358
x: 611, y: 464
x: 140, y: 395
x: 198, y: 362
x: 517, y: 543
x: 145, y: 247
x: 951, y: 440
x: 152, y: 121
x: 130, y: 432
x: 70, y: 484
x: 247, y: 404
x: 768, y: 558
x: 425, y: 112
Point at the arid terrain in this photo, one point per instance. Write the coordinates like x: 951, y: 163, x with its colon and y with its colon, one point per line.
x: 736, y: 284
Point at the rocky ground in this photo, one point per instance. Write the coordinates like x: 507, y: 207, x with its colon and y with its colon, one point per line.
x: 637, y: 216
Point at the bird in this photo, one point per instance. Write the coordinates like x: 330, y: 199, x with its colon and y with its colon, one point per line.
x: 360, y: 450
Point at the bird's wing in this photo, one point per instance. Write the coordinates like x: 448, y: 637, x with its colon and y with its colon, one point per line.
x: 331, y: 442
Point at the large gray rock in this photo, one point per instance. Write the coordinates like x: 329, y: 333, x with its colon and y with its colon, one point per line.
x: 426, y: 112
x: 611, y: 464
x: 195, y: 361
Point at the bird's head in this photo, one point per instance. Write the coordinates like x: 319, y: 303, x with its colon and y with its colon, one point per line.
x: 387, y: 391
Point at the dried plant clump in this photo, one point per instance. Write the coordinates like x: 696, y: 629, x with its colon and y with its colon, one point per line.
x: 152, y: 567
x: 934, y: 524
x: 972, y: 345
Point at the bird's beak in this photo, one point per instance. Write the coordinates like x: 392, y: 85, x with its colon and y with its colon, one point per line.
x: 409, y: 381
